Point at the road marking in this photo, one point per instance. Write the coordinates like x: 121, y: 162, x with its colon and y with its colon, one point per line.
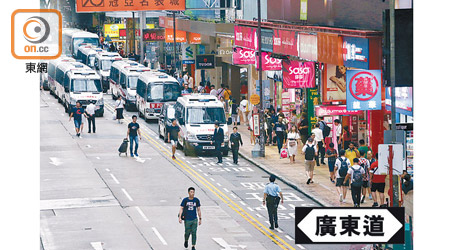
x: 243, y: 203
x: 258, y: 215
x: 212, y: 179
x: 88, y: 146
x: 288, y: 237
x: 126, y: 194
x: 292, y: 206
x: 187, y: 161
x: 206, y: 164
x: 55, y: 161
x: 159, y: 236
x: 227, y: 246
x: 200, y: 170
x: 107, y: 169
x: 97, y: 245
x: 234, y: 196
x: 142, y: 213
x: 301, y: 247
x: 98, y: 158
x: 229, y: 163
x: 114, y: 178
x: 251, y: 209
x: 226, y: 190
x: 205, y: 174
x: 329, y: 189
x: 278, y: 230
x: 218, y: 184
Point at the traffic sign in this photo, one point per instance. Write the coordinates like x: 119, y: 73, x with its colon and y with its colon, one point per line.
x: 349, y: 225
x: 254, y: 99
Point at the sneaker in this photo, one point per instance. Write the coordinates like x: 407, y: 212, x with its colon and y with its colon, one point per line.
x: 193, y: 248
x: 355, y: 205
x: 78, y: 134
x: 309, y: 180
x: 136, y: 154
x: 185, y: 244
x: 132, y: 155
x: 375, y: 204
x: 173, y: 157
x: 383, y: 205
x: 362, y: 199
x: 271, y: 228
x: 343, y: 201
x: 276, y: 225
x: 370, y: 196
x: 340, y: 198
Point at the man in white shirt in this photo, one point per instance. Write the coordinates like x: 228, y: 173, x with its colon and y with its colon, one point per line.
x: 191, y: 82
x: 339, y: 139
x: 244, y: 109
x: 355, y: 173
x: 213, y: 91
x: 319, y: 141
x: 186, y: 78
x: 90, y: 111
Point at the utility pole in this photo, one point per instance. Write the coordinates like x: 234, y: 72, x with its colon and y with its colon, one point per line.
x: 142, y: 23
x: 174, y: 43
x: 261, y: 105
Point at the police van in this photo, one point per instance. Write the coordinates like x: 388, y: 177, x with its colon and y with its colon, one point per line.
x: 73, y: 38
x: 123, y: 81
x: 77, y: 82
x: 102, y: 64
x: 196, y: 115
x: 86, y: 54
x: 153, y: 89
x: 51, y: 69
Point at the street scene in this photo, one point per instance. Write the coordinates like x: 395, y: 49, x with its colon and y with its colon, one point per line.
x: 197, y: 124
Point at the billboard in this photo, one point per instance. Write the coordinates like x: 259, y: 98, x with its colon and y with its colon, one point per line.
x: 127, y: 5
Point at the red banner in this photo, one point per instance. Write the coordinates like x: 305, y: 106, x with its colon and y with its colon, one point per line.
x: 243, y: 56
x: 128, y: 5
x: 285, y: 42
x: 268, y: 63
x: 298, y: 74
x: 245, y: 37
x: 335, y: 111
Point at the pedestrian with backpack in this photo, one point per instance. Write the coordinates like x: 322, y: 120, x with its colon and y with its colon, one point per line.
x: 363, y: 162
x: 189, y: 209
x: 355, y: 174
x: 331, y: 154
x: 310, y: 152
x: 320, y: 144
x: 340, y: 171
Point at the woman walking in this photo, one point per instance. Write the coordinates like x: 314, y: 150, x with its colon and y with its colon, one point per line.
x: 292, y: 142
x: 119, y: 109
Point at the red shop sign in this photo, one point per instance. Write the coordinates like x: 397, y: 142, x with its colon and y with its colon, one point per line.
x: 307, y: 45
x: 243, y: 56
x: 329, y: 48
x: 335, y: 111
x: 298, y: 74
x: 268, y: 63
x: 245, y: 37
x: 285, y: 42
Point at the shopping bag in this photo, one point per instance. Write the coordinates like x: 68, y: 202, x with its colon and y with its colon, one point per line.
x: 114, y: 116
x: 284, y: 153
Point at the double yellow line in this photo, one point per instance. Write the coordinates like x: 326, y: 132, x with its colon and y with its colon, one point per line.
x: 249, y: 218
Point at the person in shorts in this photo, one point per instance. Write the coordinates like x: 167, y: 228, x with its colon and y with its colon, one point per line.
x: 174, y: 130
x: 378, y: 183
x: 77, y: 112
x: 331, y: 154
x: 341, y: 186
x: 309, y: 159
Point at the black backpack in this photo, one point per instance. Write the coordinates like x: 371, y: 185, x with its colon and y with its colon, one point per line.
x: 357, y: 179
x: 326, y: 130
x: 310, y: 152
x: 344, y: 167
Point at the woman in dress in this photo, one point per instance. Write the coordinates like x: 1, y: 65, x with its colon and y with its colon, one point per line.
x: 119, y: 109
x: 292, y: 141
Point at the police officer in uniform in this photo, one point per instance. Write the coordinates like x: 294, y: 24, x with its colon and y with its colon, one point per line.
x: 272, y: 195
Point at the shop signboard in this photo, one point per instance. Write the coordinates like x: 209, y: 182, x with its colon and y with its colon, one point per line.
x: 225, y: 52
x: 335, y: 110
x: 242, y: 56
x: 154, y: 35
x: 304, y: 10
x: 122, y: 34
x: 245, y: 37
x: 298, y: 74
x: 268, y: 62
x: 112, y: 30
x: 364, y: 89
x: 312, y: 99
x: 335, y: 83
x: 127, y: 5
x: 256, y: 124
x: 255, y: 99
x: 403, y: 100
x: 201, y: 50
x: 162, y: 21
x: 180, y: 34
x: 329, y: 48
x: 307, y: 45
x: 195, y: 38
x: 205, y: 62
x: 285, y: 42
x: 355, y: 52
x: 266, y: 40
x: 188, y: 53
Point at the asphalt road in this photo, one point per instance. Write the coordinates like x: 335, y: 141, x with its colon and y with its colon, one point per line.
x: 92, y: 198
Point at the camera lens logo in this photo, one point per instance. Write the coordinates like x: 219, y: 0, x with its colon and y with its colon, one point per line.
x: 93, y: 3
x: 36, y: 30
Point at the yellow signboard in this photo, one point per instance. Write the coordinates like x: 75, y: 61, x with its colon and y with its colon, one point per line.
x: 113, y: 29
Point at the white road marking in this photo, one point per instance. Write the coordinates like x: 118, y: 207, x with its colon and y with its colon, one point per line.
x: 200, y: 170
x: 126, y: 194
x: 212, y: 179
x: 243, y: 203
x: 258, y: 215
x: 107, y: 169
x: 186, y: 161
x: 88, y: 146
x: 329, y: 189
x: 206, y: 164
x: 288, y: 237
x: 300, y: 246
x: 226, y: 190
x: 234, y: 196
x: 205, y: 174
x: 229, y: 163
x: 114, y: 178
x: 218, y: 184
x: 97, y: 245
x: 62, y: 114
x: 280, y: 231
x: 142, y: 213
x: 251, y: 209
x: 183, y: 158
x: 159, y: 236
x: 227, y: 246
x: 98, y: 158
x: 55, y: 161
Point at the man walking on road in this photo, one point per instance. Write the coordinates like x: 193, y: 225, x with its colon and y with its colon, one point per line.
x: 355, y: 173
x: 90, y: 111
x: 271, y: 192
x: 235, y: 139
x: 217, y: 139
x: 310, y: 151
x: 133, y: 132
x: 190, y: 207
x: 76, y: 113
x: 173, y: 130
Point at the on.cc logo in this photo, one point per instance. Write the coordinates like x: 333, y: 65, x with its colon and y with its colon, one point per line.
x: 33, y: 32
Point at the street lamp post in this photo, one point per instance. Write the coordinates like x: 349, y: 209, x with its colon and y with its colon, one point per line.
x: 174, y: 43
x: 261, y: 105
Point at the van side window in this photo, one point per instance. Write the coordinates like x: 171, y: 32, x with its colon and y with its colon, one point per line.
x: 122, y: 80
x: 140, y: 90
x: 51, y: 70
x: 66, y: 82
x: 59, y: 75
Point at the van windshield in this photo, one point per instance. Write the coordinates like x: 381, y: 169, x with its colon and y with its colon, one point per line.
x: 205, y: 115
x: 85, y: 85
x: 132, y: 82
x: 106, y: 64
x: 78, y: 41
x: 168, y: 91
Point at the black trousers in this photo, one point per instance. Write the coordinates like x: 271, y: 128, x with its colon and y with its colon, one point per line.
x: 321, y: 153
x: 356, y: 194
x: 235, y: 151
x: 218, y: 152
x: 269, y: 135
x: 91, y: 121
x: 272, y: 210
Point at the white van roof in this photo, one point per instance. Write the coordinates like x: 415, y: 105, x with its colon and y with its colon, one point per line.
x: 199, y: 100
x: 72, y: 66
x: 89, y: 49
x: 155, y: 76
x: 62, y: 59
x: 108, y: 55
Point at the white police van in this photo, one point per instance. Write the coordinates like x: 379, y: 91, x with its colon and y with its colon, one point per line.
x: 79, y: 83
x: 51, y: 69
x: 103, y: 62
x: 153, y: 90
x: 73, y: 38
x: 196, y: 115
x: 123, y: 81
x: 86, y: 54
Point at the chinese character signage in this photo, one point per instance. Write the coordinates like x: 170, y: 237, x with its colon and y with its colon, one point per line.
x: 153, y: 35
x: 304, y: 10
x: 205, y: 62
x: 355, y: 52
x: 243, y: 56
x: 364, y: 89
x: 298, y: 74
x: 129, y: 5
x: 112, y: 30
x: 245, y: 37
x: 403, y: 100
x: 180, y: 35
x: 268, y: 63
x: 266, y: 40
x: 307, y: 45
x: 195, y: 38
x: 285, y: 42
x: 349, y: 225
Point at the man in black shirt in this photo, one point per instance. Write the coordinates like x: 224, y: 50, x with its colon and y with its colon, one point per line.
x: 303, y: 129
x: 218, y: 138
x: 173, y: 131
x: 235, y: 139
x: 133, y: 131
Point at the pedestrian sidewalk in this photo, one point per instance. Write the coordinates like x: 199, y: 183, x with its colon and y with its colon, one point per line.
x: 322, y: 190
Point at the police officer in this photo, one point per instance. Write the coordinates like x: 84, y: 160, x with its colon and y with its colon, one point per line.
x: 271, y: 191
